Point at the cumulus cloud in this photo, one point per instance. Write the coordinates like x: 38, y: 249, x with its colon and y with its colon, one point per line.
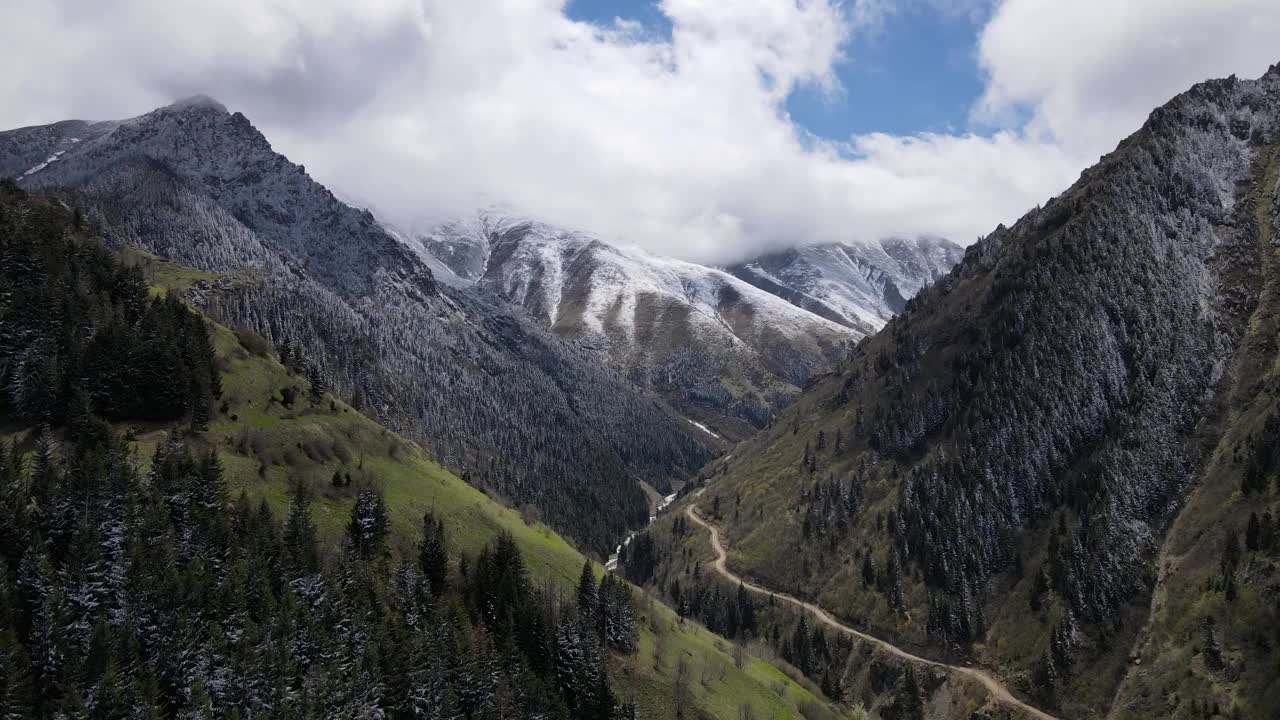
x: 428, y: 108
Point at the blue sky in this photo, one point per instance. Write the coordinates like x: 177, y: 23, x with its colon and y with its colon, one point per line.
x: 915, y: 72
x: 427, y: 110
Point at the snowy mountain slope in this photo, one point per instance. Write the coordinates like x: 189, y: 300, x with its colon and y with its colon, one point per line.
x: 727, y: 353
x: 526, y: 415
x: 199, y: 142
x: 860, y: 286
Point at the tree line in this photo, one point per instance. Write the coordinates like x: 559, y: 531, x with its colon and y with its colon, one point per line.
x: 79, y: 331
x: 147, y: 592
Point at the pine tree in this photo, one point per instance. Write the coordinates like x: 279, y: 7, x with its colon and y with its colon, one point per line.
x: 154, y: 597
x: 367, y: 530
x: 433, y: 554
x: 316, y: 377
x: 300, y: 532
x: 893, y: 578
x: 746, y: 610
x: 588, y: 596
x: 1230, y: 559
x: 616, y: 620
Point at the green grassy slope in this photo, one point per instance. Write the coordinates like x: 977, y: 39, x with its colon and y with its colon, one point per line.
x: 264, y: 444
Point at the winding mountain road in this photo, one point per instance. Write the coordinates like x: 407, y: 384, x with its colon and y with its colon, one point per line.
x: 994, y: 686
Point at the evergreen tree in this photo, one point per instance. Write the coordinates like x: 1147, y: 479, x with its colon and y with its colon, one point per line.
x: 615, y: 616
x: 367, y: 530
x: 1230, y: 559
x: 433, y: 554
x: 300, y: 532
x: 588, y: 596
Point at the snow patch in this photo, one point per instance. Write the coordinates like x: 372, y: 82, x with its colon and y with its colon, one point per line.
x: 855, y: 281
x: 51, y: 159
x: 703, y: 428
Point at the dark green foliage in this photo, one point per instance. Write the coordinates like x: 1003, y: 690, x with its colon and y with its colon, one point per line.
x: 605, y: 611
x: 253, y: 343
x: 909, y: 701
x: 433, y: 554
x: 123, y: 597
x: 639, y: 558
x: 810, y: 650
x: 299, y: 532
x: 78, y: 333
x: 1230, y: 559
x: 588, y: 597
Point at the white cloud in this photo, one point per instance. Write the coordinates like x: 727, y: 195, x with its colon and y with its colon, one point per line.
x: 427, y: 108
x: 1092, y: 71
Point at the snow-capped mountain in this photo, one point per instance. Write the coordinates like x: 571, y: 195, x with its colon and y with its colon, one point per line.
x: 525, y: 414
x: 857, y: 285
x: 727, y: 346
x: 723, y: 351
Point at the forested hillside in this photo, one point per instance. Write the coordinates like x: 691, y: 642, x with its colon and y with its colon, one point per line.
x: 994, y: 475
x: 520, y: 412
x: 260, y: 549
x: 80, y: 330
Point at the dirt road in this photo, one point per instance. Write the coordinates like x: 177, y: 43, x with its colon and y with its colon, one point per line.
x: 994, y: 686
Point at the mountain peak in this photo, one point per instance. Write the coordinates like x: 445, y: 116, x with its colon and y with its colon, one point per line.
x: 197, y: 101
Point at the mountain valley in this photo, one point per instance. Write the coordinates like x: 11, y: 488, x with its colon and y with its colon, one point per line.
x: 264, y: 453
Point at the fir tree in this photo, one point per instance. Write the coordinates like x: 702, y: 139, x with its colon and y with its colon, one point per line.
x: 300, y: 532
x: 433, y: 554
x: 367, y: 530
x: 588, y: 596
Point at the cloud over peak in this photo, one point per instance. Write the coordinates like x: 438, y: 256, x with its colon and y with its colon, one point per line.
x: 680, y: 143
